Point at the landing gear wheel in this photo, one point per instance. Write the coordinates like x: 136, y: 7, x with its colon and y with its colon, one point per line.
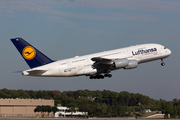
x: 102, y: 77
x: 97, y: 77
x: 106, y: 75
x: 162, y: 64
x: 109, y: 75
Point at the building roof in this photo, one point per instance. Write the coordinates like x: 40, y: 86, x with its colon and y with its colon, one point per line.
x: 30, y: 102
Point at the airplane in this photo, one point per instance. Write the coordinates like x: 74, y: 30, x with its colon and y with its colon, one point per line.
x: 96, y: 66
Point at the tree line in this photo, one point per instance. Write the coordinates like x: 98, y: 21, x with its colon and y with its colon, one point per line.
x: 100, y: 103
x: 45, y: 109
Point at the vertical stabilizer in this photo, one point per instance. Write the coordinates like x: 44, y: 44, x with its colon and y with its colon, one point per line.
x: 31, y: 55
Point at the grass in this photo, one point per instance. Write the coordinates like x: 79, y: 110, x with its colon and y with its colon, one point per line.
x: 61, y: 118
x: 39, y: 118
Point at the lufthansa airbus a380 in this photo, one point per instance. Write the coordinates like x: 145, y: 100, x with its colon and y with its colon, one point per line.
x: 96, y: 66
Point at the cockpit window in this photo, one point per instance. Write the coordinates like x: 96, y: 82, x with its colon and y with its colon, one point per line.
x: 164, y: 47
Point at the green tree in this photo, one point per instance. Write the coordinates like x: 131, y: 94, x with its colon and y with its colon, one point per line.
x: 142, y: 109
x: 43, y: 109
x: 38, y: 109
x: 176, y: 104
x: 166, y: 108
x: 86, y: 105
x: 48, y: 109
x: 23, y: 94
x: 54, y: 109
x: 72, y: 108
x: 56, y: 94
x: 104, y: 108
x: 122, y: 111
x: 32, y: 94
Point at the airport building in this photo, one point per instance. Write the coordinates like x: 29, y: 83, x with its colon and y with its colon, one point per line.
x: 63, y: 112
x: 23, y: 107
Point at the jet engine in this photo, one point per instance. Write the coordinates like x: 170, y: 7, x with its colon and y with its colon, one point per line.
x: 132, y: 64
x: 125, y: 63
x: 121, y: 63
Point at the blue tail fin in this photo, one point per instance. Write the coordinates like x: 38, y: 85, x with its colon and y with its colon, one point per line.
x: 31, y: 55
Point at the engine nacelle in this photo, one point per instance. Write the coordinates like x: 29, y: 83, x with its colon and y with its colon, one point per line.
x: 121, y: 63
x: 132, y: 64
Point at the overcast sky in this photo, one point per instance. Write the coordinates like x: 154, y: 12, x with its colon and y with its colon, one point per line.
x: 67, y: 28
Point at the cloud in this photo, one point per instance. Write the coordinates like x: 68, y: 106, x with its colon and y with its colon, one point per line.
x: 135, y: 17
x: 147, y: 5
x: 52, y: 9
x: 160, y: 37
x: 22, y: 5
x: 46, y: 5
x: 68, y: 23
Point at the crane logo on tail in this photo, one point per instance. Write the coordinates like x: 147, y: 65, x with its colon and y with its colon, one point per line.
x: 29, y: 53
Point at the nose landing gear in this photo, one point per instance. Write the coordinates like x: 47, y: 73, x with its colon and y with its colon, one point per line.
x: 162, y: 63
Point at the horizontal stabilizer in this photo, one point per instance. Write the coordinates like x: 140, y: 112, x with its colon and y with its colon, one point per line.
x: 34, y: 72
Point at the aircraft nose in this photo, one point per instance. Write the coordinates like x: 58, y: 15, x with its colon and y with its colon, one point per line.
x: 168, y: 51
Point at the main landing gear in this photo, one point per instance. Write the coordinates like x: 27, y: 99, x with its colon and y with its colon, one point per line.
x: 100, y: 76
x: 162, y: 63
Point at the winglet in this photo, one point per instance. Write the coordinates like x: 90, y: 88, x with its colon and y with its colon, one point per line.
x: 31, y: 55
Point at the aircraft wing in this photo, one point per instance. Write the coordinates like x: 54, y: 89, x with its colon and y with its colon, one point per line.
x: 102, y: 60
x: 102, y: 64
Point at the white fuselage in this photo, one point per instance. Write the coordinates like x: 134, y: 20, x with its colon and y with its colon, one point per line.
x: 82, y: 65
